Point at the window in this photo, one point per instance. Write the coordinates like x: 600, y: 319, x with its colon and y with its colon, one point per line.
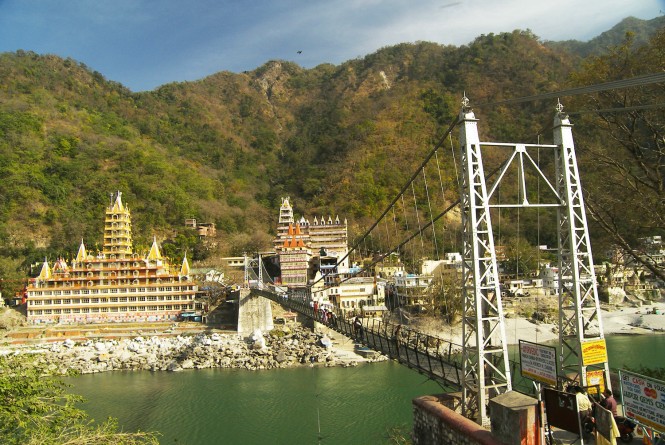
x: 85, y: 300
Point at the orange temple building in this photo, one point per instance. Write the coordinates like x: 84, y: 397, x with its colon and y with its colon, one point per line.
x: 115, y: 285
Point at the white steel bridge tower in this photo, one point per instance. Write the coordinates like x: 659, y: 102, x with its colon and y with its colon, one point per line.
x: 485, y: 367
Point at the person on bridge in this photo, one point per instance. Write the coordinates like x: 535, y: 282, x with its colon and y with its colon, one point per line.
x: 396, y: 337
x: 358, y: 327
x: 609, y: 402
x: 584, y: 406
x: 333, y: 319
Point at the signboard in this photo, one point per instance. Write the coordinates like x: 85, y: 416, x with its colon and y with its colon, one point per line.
x: 594, y: 352
x: 643, y: 399
x: 561, y: 410
x: 538, y: 362
x: 595, y: 382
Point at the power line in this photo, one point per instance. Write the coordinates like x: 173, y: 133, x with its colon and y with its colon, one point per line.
x: 620, y: 109
x: 647, y: 79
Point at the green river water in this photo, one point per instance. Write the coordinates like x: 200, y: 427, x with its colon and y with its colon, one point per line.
x: 289, y: 406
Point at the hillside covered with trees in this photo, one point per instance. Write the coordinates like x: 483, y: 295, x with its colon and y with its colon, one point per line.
x: 227, y: 148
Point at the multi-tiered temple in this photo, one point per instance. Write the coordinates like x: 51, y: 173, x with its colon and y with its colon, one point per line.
x: 116, y: 285
x: 299, y: 242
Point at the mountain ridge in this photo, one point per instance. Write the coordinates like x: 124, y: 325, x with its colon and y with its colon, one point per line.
x: 227, y: 148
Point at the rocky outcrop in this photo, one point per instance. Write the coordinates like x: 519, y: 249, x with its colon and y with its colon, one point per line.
x: 278, y: 349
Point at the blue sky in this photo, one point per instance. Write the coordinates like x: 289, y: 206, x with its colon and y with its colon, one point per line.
x: 146, y: 43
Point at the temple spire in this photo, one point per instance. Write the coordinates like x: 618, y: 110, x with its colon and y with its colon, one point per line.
x: 184, y: 269
x: 45, y: 273
x: 82, y: 254
x: 154, y: 253
x: 117, y: 229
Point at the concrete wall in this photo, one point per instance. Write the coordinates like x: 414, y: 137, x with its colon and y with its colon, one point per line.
x: 514, y: 418
x: 253, y: 313
x: 435, y: 424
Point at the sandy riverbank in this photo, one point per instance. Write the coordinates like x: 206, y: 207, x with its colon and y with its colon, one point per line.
x: 626, y: 320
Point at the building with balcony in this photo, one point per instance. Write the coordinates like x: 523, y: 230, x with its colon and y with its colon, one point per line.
x: 302, y: 247
x: 114, y: 285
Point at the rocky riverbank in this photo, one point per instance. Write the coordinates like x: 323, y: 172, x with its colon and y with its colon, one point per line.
x: 281, y: 348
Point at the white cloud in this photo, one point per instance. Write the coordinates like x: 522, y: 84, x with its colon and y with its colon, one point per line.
x: 143, y: 43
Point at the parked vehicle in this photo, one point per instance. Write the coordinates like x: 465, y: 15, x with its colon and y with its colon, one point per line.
x: 626, y: 428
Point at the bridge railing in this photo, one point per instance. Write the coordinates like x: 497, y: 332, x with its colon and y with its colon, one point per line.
x: 438, y: 358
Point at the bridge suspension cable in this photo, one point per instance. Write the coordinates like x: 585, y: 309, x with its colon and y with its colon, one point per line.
x: 399, y: 196
x: 638, y: 81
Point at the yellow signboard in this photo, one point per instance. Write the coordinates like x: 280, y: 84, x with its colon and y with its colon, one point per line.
x: 594, y: 352
x: 595, y: 379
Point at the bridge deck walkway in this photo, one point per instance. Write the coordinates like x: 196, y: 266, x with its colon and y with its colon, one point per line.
x: 438, y: 359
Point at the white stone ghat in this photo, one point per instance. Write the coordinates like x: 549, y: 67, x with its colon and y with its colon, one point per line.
x: 286, y: 348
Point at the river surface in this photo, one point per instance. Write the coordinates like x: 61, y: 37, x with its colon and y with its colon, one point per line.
x: 287, y: 406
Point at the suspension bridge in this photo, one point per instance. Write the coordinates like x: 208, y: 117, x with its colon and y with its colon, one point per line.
x: 521, y: 176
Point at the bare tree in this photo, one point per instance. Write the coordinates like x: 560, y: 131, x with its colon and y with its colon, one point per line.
x: 624, y: 166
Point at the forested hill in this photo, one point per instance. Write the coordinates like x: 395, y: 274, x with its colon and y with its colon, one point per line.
x: 225, y: 149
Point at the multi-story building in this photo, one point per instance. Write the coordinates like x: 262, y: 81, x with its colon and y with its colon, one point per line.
x: 115, y: 285
x: 352, y: 294
x: 294, y: 258
x: 299, y: 244
x: 412, y: 289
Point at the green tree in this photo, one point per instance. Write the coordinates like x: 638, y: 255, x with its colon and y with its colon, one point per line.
x: 521, y: 257
x: 36, y: 409
x: 447, y: 295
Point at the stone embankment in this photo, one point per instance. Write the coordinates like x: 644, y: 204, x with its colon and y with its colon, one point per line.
x: 292, y: 346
